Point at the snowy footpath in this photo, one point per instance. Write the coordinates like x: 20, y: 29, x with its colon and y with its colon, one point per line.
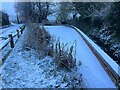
x: 4, y: 32
x: 9, y: 30
x: 23, y: 68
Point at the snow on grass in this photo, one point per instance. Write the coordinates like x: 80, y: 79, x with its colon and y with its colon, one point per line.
x: 24, y: 69
x: 93, y: 73
x: 27, y: 72
x: 30, y: 72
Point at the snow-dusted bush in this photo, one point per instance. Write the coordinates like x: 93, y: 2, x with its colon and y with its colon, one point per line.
x: 65, y: 57
x: 37, y: 38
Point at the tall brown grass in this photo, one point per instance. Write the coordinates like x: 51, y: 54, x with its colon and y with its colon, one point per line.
x: 65, y: 57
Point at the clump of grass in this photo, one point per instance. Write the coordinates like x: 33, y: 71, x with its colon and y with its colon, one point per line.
x: 65, y: 58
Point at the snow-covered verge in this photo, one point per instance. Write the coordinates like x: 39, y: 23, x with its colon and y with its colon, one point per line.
x: 30, y: 72
x: 24, y: 69
x: 92, y: 71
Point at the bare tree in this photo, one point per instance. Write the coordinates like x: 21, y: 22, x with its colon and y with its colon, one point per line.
x: 33, y: 11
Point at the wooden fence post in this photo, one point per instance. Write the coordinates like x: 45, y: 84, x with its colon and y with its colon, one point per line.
x: 11, y: 40
x: 18, y: 34
x: 21, y: 30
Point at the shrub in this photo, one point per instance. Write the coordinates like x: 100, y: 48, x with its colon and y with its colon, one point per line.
x: 37, y: 38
